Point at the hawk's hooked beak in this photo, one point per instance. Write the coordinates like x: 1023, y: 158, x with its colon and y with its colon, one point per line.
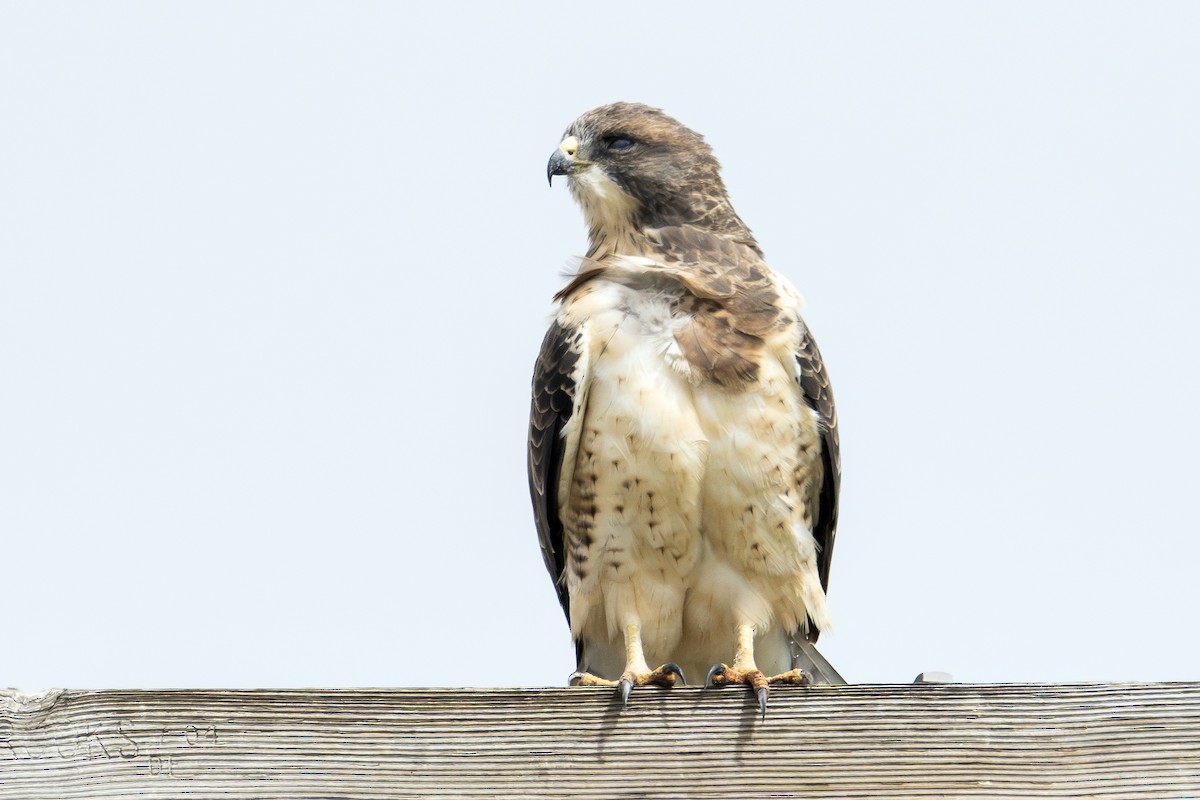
x: 560, y: 164
x: 563, y: 161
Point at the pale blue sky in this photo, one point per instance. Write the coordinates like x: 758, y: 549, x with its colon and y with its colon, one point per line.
x: 273, y: 276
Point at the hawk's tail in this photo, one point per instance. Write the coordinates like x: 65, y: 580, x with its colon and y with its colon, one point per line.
x: 805, y: 656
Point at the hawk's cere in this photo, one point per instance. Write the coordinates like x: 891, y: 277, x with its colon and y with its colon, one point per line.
x: 683, y: 443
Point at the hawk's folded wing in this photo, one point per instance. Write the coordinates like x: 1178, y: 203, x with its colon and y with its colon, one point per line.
x: 814, y: 383
x: 555, y: 419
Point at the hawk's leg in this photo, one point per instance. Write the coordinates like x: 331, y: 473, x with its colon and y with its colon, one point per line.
x: 744, y: 671
x: 637, y: 671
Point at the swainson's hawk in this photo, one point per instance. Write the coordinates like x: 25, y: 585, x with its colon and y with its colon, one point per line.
x: 683, y: 442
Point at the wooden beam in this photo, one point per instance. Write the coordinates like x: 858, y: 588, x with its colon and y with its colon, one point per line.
x: 912, y: 741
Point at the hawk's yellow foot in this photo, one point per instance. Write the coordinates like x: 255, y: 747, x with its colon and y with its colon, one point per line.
x: 746, y: 672
x: 666, y: 676
x: 722, y: 675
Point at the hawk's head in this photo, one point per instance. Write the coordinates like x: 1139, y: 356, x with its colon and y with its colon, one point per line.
x: 631, y: 168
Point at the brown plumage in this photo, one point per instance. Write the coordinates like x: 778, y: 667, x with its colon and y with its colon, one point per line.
x: 670, y: 173
x: 683, y: 455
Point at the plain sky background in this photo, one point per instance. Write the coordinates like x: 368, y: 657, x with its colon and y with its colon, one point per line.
x: 273, y: 277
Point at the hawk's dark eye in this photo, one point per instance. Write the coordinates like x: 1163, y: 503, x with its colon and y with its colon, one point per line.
x: 618, y: 143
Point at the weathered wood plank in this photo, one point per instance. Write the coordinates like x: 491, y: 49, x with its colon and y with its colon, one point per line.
x: 919, y: 741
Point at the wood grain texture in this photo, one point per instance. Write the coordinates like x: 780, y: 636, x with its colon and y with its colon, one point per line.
x: 918, y: 741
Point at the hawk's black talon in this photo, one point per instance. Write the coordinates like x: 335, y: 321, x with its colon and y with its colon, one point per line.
x: 625, y: 687
x: 762, y: 700
x: 671, y: 668
x: 713, y: 670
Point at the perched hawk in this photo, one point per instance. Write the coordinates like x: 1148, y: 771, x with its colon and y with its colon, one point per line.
x: 683, y: 443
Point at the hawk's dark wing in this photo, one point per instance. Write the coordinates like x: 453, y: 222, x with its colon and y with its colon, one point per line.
x: 814, y: 383
x: 555, y: 416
